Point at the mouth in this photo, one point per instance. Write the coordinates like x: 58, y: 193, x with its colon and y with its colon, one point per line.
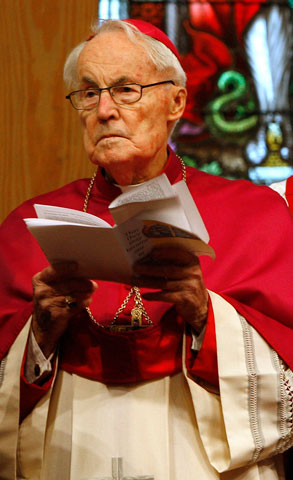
x: 105, y: 137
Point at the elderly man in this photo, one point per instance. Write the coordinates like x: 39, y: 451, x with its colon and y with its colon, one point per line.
x: 205, y: 390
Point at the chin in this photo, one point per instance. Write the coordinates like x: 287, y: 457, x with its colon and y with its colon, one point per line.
x: 118, y: 155
x: 115, y: 165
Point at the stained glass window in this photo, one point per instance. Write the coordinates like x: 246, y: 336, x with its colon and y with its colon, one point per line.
x: 238, y: 57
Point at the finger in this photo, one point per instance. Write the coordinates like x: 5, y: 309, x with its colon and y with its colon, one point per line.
x: 149, y: 282
x: 169, y: 296
x: 63, y: 281
x: 75, y: 285
x: 191, y: 306
x: 67, y: 303
x: 160, y: 296
x: 180, y: 292
x: 163, y: 271
x: 62, y: 268
x: 191, y: 285
x: 57, y: 271
x: 178, y: 256
x: 77, y: 288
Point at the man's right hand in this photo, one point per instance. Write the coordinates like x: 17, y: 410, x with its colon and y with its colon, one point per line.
x: 54, y: 288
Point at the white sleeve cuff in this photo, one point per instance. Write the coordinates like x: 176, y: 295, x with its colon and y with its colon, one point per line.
x: 197, y: 339
x: 37, y: 366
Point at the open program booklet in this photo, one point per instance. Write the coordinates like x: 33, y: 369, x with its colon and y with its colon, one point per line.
x: 153, y: 213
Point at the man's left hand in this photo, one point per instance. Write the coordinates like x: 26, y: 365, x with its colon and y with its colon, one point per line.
x: 177, y: 274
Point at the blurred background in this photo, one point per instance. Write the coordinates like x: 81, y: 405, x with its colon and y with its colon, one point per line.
x: 238, y: 58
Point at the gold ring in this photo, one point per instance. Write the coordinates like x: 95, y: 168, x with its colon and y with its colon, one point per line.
x: 70, y: 302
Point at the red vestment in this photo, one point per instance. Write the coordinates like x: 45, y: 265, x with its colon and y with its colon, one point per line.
x: 251, y: 232
x: 289, y: 193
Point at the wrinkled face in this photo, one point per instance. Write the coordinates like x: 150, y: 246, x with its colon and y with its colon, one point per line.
x: 129, y: 141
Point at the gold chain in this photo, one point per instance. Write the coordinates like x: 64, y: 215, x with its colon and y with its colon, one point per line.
x: 89, y: 191
x: 183, y: 168
x: 138, y: 311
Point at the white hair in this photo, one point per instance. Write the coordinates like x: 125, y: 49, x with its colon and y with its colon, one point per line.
x: 161, y: 56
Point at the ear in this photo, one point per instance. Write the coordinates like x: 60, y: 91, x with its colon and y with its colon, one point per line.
x: 177, y: 103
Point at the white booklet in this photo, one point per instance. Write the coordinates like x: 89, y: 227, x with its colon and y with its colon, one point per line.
x: 153, y: 213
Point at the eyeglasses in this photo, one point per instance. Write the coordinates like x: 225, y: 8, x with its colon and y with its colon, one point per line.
x: 121, y: 94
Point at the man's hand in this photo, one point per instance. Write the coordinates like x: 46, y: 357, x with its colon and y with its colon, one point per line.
x: 52, y: 312
x: 176, y: 273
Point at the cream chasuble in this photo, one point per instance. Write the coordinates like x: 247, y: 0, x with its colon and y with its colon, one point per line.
x: 168, y: 429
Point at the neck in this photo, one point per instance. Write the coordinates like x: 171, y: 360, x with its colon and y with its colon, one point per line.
x: 174, y: 169
x: 143, y: 171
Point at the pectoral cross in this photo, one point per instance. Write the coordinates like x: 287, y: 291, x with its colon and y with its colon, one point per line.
x: 117, y: 472
x: 136, y: 316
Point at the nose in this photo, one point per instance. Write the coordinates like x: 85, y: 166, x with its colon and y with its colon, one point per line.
x: 106, y: 107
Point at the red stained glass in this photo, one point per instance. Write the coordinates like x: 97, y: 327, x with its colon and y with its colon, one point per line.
x: 238, y: 120
x: 152, y: 12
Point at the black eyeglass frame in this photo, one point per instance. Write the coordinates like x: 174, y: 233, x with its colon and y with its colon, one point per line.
x: 68, y: 97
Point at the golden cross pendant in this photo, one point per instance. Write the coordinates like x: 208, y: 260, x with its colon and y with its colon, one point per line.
x: 136, y: 316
